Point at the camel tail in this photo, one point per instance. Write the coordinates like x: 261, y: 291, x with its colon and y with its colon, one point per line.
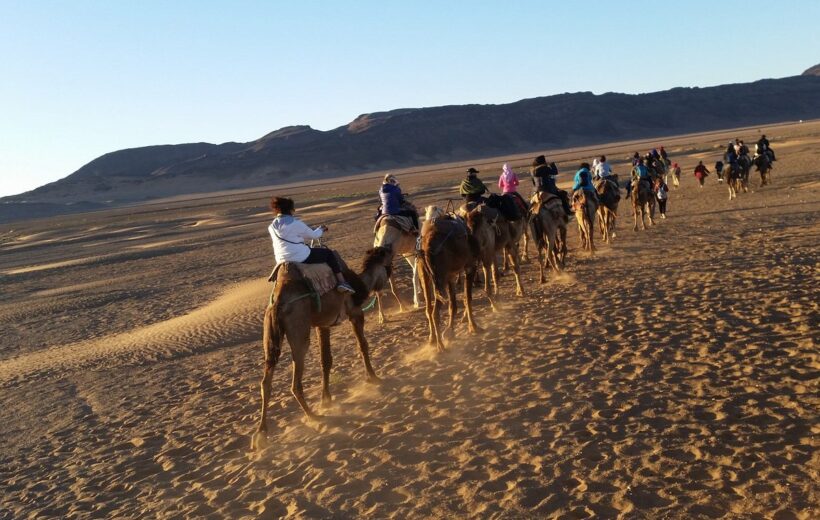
x: 272, y: 335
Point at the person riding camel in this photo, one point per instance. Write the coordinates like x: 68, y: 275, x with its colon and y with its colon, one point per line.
x: 508, y: 183
x: 289, y: 234
x: 543, y: 178
x: 603, y: 170
x: 641, y: 173
x: 394, y: 203
x: 636, y: 159
x: 701, y: 172
x: 583, y: 181
x: 472, y: 189
x: 664, y: 155
x: 730, y: 157
x: 765, y: 148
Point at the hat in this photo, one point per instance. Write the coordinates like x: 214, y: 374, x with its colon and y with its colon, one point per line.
x: 472, y: 171
x: 390, y: 179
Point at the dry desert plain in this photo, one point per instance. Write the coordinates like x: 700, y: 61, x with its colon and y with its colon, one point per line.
x: 672, y: 375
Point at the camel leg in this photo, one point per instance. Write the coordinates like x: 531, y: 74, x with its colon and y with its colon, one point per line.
x: 429, y: 303
x: 396, y: 296
x: 468, y: 305
x: 526, y: 243
x: 542, y: 257
x: 635, y: 215
x: 299, y: 342
x: 651, y: 214
x: 452, y: 308
x: 382, y: 319
x: 327, y: 362
x: 414, y: 265
x: 259, y: 439
x: 515, y: 261
x: 357, y: 321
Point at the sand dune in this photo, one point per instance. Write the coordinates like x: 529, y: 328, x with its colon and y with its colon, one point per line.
x: 674, y: 374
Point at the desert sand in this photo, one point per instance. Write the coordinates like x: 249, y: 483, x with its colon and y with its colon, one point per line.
x: 672, y: 375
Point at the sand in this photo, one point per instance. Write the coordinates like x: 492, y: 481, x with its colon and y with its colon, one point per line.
x: 672, y: 375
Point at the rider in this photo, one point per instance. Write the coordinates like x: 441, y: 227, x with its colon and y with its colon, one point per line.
x: 543, y: 178
x: 289, y: 234
x: 663, y: 154
x: 508, y: 182
x: 472, y: 188
x: 636, y: 159
x: 583, y: 180
x: 603, y: 170
x: 394, y: 203
x: 763, y: 145
x: 641, y: 174
x: 731, y: 156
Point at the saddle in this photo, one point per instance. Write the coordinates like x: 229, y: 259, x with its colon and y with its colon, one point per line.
x: 543, y: 197
x: 400, y: 222
x: 319, y: 277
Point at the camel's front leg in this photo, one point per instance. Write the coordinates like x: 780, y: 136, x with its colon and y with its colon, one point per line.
x: 299, y: 343
x: 357, y: 321
x: 468, y: 305
x: 382, y: 318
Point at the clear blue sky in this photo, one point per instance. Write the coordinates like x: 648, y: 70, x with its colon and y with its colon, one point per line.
x: 82, y: 78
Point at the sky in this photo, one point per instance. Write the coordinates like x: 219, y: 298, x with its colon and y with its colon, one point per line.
x: 81, y: 78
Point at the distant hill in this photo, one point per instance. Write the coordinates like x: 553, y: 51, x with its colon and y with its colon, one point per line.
x: 812, y: 71
x: 415, y: 136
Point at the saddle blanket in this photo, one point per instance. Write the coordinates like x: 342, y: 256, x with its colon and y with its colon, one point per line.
x: 319, y: 276
x: 398, y: 221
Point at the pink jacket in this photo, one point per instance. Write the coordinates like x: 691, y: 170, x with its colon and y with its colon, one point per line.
x: 508, y: 182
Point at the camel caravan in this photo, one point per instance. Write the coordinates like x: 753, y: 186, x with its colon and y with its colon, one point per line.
x: 482, y: 237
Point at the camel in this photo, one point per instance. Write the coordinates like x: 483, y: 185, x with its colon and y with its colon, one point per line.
x: 643, y: 202
x: 507, y: 242
x: 482, y: 227
x: 735, y: 180
x: 764, y: 166
x: 548, y: 225
x: 294, y: 309
x: 609, y: 196
x: 585, y: 205
x: 447, y: 251
x: 403, y: 243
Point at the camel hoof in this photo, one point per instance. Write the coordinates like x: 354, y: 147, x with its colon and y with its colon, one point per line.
x: 373, y: 379
x: 475, y: 329
x: 327, y: 401
x: 259, y: 441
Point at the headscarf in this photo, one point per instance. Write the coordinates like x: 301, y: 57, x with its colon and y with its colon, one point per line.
x: 507, y: 174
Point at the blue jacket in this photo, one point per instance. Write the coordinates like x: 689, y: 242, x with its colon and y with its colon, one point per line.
x: 643, y: 171
x: 391, y: 198
x: 583, y: 179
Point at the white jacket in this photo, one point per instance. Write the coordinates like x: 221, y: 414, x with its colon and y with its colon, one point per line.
x: 289, y: 234
x: 603, y: 170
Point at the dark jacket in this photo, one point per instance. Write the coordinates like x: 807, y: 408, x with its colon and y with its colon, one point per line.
x: 543, y: 179
x: 391, y: 198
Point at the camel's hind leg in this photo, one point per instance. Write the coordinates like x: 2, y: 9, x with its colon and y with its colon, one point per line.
x: 382, y: 319
x: 357, y: 321
x: 468, y: 305
x: 396, y: 296
x: 452, y: 306
x: 511, y: 253
x: 327, y: 363
x: 299, y: 339
x: 414, y: 265
x: 272, y: 353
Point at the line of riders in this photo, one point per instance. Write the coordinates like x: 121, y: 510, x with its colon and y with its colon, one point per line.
x: 452, y: 246
x: 288, y: 233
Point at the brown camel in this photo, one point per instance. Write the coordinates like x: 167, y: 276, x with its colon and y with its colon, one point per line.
x: 482, y: 226
x: 447, y: 252
x: 609, y: 196
x: 643, y: 202
x: 734, y: 180
x: 764, y: 166
x: 548, y: 225
x: 294, y: 310
x: 403, y: 243
x: 585, y: 205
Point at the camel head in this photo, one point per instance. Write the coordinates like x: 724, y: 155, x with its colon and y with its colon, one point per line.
x: 432, y: 212
x: 377, y: 267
